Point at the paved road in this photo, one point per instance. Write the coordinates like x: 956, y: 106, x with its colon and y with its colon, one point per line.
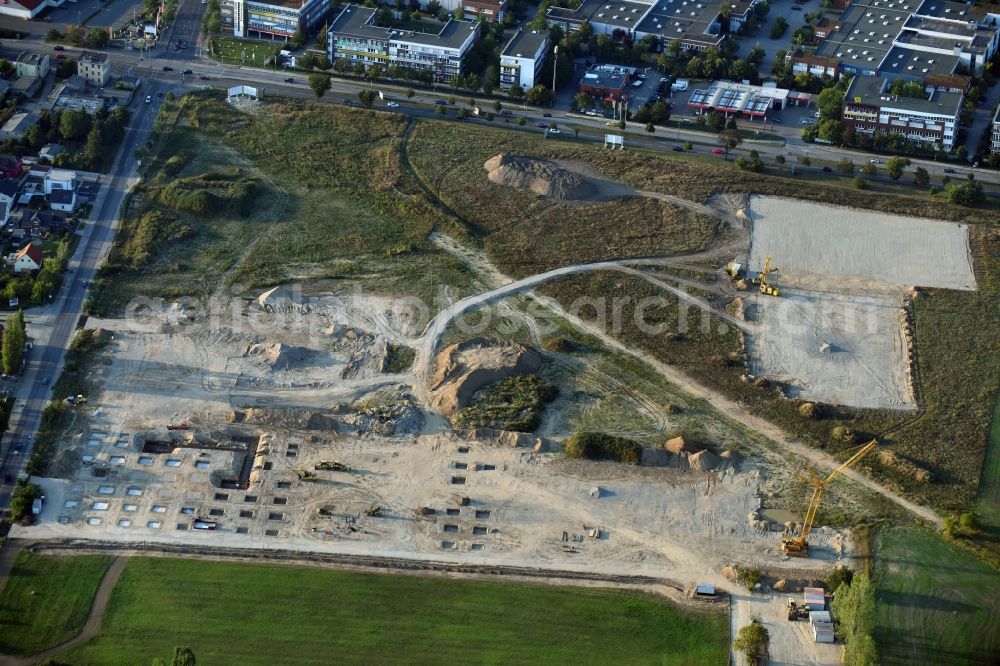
x: 46, y: 358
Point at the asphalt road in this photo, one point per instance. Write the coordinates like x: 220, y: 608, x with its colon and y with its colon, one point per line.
x: 45, y: 360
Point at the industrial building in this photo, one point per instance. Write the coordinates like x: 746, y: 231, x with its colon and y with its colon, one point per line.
x: 354, y: 36
x: 933, y: 42
x: 607, y: 82
x: 523, y: 58
x: 275, y: 19
x: 868, y: 108
x: 740, y: 98
x: 695, y: 25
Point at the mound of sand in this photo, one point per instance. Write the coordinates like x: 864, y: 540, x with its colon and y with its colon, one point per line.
x: 277, y: 356
x: 703, y: 461
x: 679, y: 445
x: 550, y: 179
x: 462, y: 369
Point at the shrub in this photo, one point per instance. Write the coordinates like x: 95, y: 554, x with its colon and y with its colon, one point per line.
x: 512, y: 404
x: 599, y: 446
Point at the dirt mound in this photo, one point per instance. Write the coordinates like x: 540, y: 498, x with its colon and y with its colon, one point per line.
x: 507, y: 438
x: 462, y: 369
x: 900, y: 464
x: 296, y: 419
x: 679, y: 445
x: 277, y: 356
x: 399, y: 418
x: 550, y: 179
x: 703, y: 461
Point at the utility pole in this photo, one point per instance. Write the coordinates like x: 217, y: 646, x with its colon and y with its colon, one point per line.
x: 555, y: 61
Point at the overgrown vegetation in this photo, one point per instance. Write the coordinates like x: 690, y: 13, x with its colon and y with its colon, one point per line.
x: 853, y: 607
x: 46, y: 600
x: 514, y: 403
x: 752, y: 641
x: 429, y: 619
x: 599, y: 446
x: 400, y: 358
x: 20, y: 503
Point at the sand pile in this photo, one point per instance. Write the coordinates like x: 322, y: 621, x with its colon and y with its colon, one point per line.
x: 679, y: 445
x: 545, y: 178
x: 277, y: 356
x: 462, y: 369
x: 703, y: 461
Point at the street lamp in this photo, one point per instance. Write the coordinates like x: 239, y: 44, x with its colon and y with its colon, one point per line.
x: 555, y: 61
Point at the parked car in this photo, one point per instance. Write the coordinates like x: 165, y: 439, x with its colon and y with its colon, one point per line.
x: 393, y: 105
x: 718, y: 151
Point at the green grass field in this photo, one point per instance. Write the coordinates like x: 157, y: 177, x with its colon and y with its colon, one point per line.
x: 63, y: 589
x: 256, y: 614
x: 936, y: 604
x: 243, y: 51
x: 988, y: 505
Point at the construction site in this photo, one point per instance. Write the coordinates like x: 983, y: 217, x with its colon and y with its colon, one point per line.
x: 281, y: 422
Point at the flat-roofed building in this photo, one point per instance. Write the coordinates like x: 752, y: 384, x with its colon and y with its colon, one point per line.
x: 523, y: 58
x: 995, y: 133
x: 869, y: 109
x: 275, y: 19
x: 32, y: 65
x: 354, y: 36
x: 94, y: 67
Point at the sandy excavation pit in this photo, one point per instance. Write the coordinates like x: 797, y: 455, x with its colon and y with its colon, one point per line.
x: 562, y: 181
x: 838, y: 334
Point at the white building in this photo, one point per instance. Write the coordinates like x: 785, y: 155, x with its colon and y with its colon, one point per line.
x: 869, y: 109
x: 28, y: 259
x: 63, y: 200
x: 25, y: 9
x: 274, y: 18
x: 522, y: 59
x: 59, y: 179
x: 354, y: 36
x: 95, y: 67
x: 995, y: 136
x: 32, y: 65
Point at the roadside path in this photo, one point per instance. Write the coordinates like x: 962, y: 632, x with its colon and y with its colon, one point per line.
x: 92, y: 626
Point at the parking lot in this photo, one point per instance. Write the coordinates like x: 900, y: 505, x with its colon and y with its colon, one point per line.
x: 73, y: 12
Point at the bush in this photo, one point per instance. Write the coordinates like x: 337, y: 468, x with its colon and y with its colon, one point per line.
x: 809, y: 410
x: 20, y: 503
x: 840, y: 575
x: 599, y: 446
x: 512, y: 404
x: 844, y: 434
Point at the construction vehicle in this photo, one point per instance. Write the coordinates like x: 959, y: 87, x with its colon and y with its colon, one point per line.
x: 798, y: 546
x: 766, y: 287
x: 178, y: 426
x: 332, y: 466
x: 742, y: 279
x: 796, y: 611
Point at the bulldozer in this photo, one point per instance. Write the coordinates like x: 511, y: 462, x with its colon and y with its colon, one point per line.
x: 796, y: 611
x: 798, y: 545
x: 305, y: 475
x: 332, y: 466
x: 764, y: 282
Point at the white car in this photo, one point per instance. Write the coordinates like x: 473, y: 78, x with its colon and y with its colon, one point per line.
x: 393, y: 105
x: 808, y: 121
x: 554, y: 130
x: 149, y: 98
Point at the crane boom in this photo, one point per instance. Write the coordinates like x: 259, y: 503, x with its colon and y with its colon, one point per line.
x: 799, y: 546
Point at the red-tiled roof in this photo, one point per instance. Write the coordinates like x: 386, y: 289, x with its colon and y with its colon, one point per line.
x: 31, y: 251
x: 28, y: 4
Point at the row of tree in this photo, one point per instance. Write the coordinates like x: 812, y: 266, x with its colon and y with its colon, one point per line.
x: 14, y: 339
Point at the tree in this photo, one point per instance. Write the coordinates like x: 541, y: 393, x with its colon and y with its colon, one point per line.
x: 491, y: 80
x: 538, y: 96
x: 73, y: 124
x: 650, y: 127
x: 752, y: 642
x: 838, y: 576
x: 921, y: 177
x: 14, y: 337
x: 895, y: 165
x: 583, y: 101
x: 969, y: 193
x: 729, y: 139
x: 497, y: 106
x: 98, y: 38
x: 860, y: 182
x: 94, y: 148
x: 183, y: 657
x: 829, y: 103
x: 320, y: 84
x: 367, y: 98
x: 869, y: 170
x: 845, y: 165
x: 780, y: 159
x: 779, y: 27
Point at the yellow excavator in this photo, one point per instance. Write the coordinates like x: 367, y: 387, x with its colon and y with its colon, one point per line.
x: 798, y: 546
x: 739, y: 275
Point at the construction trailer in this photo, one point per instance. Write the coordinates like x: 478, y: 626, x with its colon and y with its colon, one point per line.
x: 814, y: 598
x: 821, y: 623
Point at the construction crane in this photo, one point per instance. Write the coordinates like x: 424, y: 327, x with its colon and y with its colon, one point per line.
x: 765, y: 285
x: 798, y: 546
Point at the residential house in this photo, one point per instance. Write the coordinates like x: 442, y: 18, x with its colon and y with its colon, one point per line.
x: 995, y: 133
x: 49, y: 152
x: 63, y: 200
x: 59, y: 179
x: 95, y: 67
x: 10, y: 166
x: 491, y: 10
x: 18, y: 125
x: 27, y: 86
x: 32, y: 65
x: 41, y: 222
x: 28, y: 259
x: 522, y: 59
